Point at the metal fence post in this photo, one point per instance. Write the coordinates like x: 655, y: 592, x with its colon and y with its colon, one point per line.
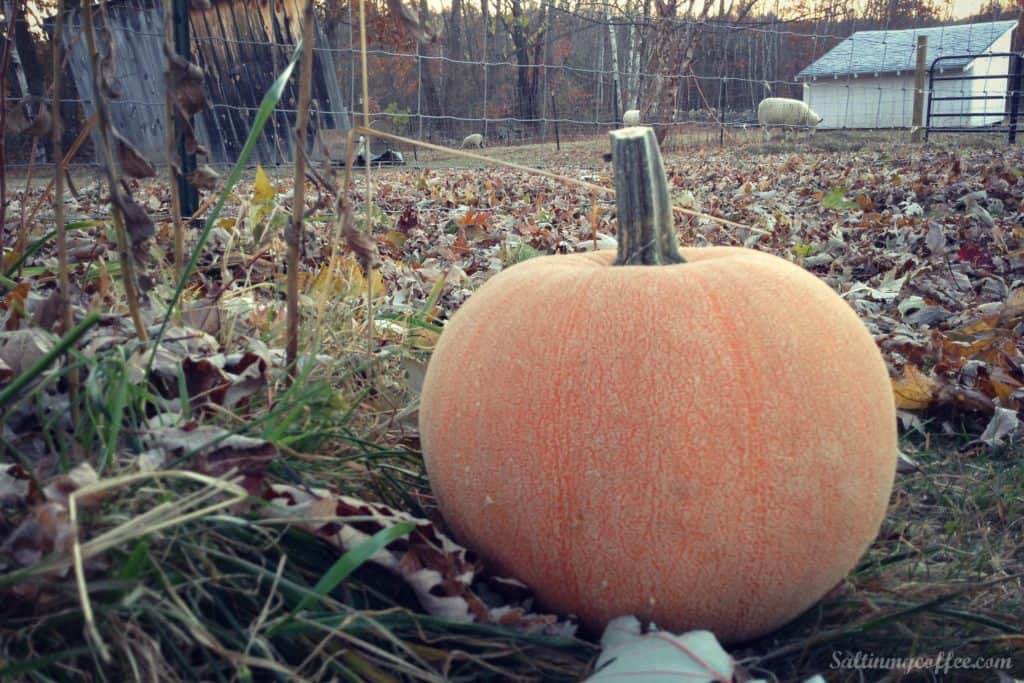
x: 188, y: 193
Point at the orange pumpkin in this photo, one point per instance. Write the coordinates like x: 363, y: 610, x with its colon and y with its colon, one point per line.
x: 709, y: 444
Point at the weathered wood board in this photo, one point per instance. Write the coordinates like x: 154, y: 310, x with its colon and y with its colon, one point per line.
x: 241, y: 48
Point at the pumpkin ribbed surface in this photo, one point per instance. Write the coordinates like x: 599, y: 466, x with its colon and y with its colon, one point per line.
x: 709, y: 445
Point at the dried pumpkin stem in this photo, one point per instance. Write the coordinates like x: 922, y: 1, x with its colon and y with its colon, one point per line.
x: 646, y: 235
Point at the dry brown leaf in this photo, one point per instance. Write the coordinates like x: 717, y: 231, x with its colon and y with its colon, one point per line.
x: 14, y: 485
x: 133, y: 163
x: 204, y: 178
x: 204, y: 315
x: 30, y: 117
x: 1013, y: 307
x: 50, y: 314
x: 137, y: 222
x: 914, y: 390
x: 441, y: 572
x: 58, y: 490
x: 14, y: 304
x: 45, y: 530
x: 185, y: 83
x: 108, y: 75
x: 364, y: 246
x: 21, y: 349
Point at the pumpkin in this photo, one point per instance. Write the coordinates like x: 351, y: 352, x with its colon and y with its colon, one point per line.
x: 708, y: 444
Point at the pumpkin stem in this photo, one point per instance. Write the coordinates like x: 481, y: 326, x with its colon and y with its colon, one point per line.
x: 646, y: 236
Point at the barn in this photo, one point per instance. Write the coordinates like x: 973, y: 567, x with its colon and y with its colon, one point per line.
x: 867, y: 80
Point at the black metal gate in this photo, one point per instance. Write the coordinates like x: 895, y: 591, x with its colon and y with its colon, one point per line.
x: 1011, y: 111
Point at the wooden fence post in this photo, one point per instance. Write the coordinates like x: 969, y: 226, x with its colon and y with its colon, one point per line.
x: 922, y: 69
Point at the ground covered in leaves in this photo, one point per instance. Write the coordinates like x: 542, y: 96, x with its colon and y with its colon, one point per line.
x: 117, y: 520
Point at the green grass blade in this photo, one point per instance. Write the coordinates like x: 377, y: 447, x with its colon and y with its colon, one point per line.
x: 353, y: 559
x: 117, y: 395
x: 32, y: 249
x: 136, y: 561
x: 15, y: 671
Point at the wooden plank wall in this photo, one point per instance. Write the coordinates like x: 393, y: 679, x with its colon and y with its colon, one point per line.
x: 238, y: 44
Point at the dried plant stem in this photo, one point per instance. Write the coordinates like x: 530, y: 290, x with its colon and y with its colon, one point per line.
x: 142, y: 524
x: 63, y: 270
x: 22, y: 241
x: 86, y: 129
x: 103, y: 119
x: 299, y: 200
x: 178, y: 227
x: 367, y: 159
x: 5, y: 62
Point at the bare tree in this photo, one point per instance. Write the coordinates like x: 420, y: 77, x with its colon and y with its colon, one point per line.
x: 674, y: 45
x: 526, y: 28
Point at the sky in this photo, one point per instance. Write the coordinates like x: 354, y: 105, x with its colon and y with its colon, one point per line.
x: 962, y: 8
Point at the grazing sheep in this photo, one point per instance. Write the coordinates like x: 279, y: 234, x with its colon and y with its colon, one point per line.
x: 631, y: 117
x: 474, y: 140
x: 782, y: 111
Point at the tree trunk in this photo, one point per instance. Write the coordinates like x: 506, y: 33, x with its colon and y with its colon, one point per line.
x: 671, y: 55
x: 14, y: 9
x: 600, y: 79
x: 485, y: 18
x: 548, y: 59
x: 455, y: 31
x: 526, y: 77
x: 616, y: 80
x: 458, y: 95
x: 636, y: 46
x: 430, y: 67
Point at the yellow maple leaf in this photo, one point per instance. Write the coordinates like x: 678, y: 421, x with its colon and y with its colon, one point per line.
x: 262, y: 190
x: 914, y: 390
x: 343, y: 278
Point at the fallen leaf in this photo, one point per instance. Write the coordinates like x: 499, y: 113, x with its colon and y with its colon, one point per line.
x: 132, y: 162
x: 82, y: 475
x: 936, y: 239
x: 204, y: 178
x: 1004, y: 423
x: 262, y: 189
x: 137, y: 222
x: 629, y: 654
x: 21, y: 349
x: 30, y: 117
x: 914, y: 390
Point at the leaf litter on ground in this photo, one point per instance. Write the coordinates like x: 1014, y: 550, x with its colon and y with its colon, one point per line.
x: 926, y: 244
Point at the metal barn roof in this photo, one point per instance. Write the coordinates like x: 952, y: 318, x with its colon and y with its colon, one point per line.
x: 875, y: 52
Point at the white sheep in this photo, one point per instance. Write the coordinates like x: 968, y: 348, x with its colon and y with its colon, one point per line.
x: 631, y: 117
x: 782, y: 111
x: 474, y: 140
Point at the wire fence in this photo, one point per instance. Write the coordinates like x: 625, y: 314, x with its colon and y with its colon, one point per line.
x: 512, y: 79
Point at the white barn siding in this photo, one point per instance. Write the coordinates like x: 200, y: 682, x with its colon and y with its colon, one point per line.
x: 864, y: 102
x: 997, y: 67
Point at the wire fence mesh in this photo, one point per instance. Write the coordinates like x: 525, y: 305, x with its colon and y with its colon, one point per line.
x: 512, y: 78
